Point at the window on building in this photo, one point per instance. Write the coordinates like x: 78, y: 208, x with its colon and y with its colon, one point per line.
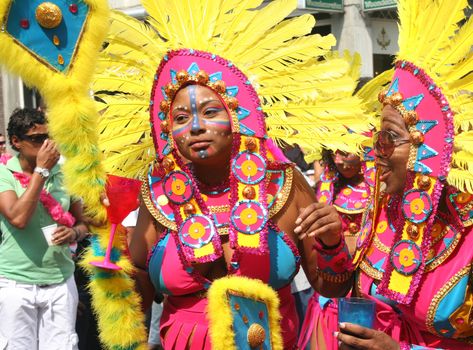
x: 31, y: 97
x: 382, y: 63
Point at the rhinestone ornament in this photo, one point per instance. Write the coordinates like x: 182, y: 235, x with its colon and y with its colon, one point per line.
x: 424, y: 182
x: 24, y: 23
x: 255, y: 335
x: 168, y: 164
x: 73, y: 8
x: 48, y: 15
x: 417, y: 137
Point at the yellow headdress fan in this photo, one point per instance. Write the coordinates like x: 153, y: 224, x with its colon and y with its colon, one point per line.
x: 432, y: 90
x: 304, y: 90
x: 274, y: 78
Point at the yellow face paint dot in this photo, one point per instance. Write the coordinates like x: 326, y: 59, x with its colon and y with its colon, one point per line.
x: 248, y: 167
x: 417, y: 205
x: 248, y: 216
x: 196, y: 230
x: 60, y: 59
x: 178, y: 187
x: 56, y: 40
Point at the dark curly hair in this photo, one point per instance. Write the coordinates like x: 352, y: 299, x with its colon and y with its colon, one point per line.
x: 21, y: 121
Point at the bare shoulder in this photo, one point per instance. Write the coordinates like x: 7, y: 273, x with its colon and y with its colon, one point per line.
x: 303, y: 193
x: 145, y: 235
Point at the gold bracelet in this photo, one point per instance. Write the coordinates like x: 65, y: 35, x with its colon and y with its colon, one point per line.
x: 338, y: 278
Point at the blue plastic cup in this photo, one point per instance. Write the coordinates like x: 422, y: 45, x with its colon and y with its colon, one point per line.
x: 356, y: 310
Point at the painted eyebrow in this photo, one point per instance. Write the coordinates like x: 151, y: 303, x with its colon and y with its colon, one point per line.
x: 206, y: 102
x: 201, y: 105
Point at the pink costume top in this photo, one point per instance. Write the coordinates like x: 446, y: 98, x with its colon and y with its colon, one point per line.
x: 443, y: 312
x: 350, y: 202
x: 184, y: 320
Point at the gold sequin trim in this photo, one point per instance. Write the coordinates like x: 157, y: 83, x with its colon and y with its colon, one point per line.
x: 370, y: 270
x: 429, y: 322
x: 338, y: 278
x: 219, y: 209
x: 412, y: 152
x: 380, y: 245
x: 441, y: 258
x: 345, y: 211
x: 151, y: 207
x: 283, y: 195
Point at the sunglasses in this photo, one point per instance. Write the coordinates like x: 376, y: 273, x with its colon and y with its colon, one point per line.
x: 385, y: 143
x: 36, y: 138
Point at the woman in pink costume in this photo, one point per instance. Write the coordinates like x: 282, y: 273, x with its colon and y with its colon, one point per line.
x: 414, y: 255
x: 345, y: 183
x: 219, y: 198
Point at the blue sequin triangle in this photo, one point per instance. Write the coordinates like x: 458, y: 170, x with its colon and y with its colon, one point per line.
x: 422, y: 168
x: 393, y: 88
x: 246, y: 130
x: 411, y: 103
x: 215, y: 76
x: 232, y: 91
x: 379, y: 264
x: 173, y: 76
x: 242, y: 113
x: 424, y: 126
x: 193, y: 68
x: 425, y: 152
x: 447, y: 242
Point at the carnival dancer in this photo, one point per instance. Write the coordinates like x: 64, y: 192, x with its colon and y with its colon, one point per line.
x: 413, y: 254
x: 38, y: 295
x: 219, y: 198
x: 345, y: 183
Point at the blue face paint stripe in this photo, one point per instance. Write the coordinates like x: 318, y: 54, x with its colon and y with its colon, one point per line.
x: 193, y: 101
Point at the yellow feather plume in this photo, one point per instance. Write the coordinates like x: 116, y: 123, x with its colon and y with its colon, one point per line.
x: 442, y: 48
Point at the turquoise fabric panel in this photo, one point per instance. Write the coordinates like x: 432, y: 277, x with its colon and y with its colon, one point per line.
x: 39, y: 40
x: 245, y: 312
x: 155, y: 266
x: 283, y: 264
x: 449, y: 304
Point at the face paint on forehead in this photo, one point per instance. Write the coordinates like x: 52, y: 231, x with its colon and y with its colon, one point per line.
x: 193, y: 101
